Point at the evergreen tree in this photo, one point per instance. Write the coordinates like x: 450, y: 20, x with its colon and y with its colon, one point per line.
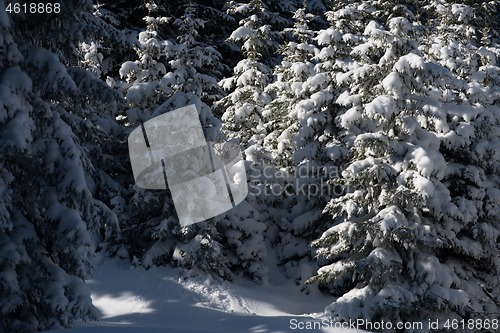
x: 143, y: 89
x: 313, y: 152
x: 195, y: 66
x: 92, y: 57
x: 408, y: 236
x: 55, y: 131
x: 250, y: 227
x: 295, y: 69
x: 158, y: 237
x: 242, y: 108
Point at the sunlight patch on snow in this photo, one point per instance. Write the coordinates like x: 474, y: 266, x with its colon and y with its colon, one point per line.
x: 125, y: 304
x: 232, y: 298
x: 243, y: 307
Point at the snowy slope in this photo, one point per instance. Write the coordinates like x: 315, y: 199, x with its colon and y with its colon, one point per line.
x: 136, y: 300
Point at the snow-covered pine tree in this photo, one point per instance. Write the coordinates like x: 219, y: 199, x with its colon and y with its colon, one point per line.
x: 275, y: 14
x: 456, y: 42
x: 278, y: 14
x: 242, y: 108
x: 195, y: 66
x: 154, y: 235
x: 472, y: 178
x: 92, y: 57
x: 295, y: 68
x: 349, y: 17
x: 488, y: 18
x: 105, y: 14
x: 143, y: 90
x: 217, y: 24
x: 415, y: 233
x: 249, y: 229
x: 316, y: 155
x: 52, y: 123
x: 277, y: 151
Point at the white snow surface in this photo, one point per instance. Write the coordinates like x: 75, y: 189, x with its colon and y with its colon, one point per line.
x: 132, y: 299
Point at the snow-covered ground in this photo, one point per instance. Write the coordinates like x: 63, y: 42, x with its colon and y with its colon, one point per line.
x: 137, y: 300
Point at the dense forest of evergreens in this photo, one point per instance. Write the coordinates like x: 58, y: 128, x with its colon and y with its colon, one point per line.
x: 370, y: 133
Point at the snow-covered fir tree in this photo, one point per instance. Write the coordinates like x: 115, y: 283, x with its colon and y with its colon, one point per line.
x: 251, y: 235
x: 55, y: 131
x: 142, y: 88
x: 195, y: 65
x: 92, y: 57
x: 159, y: 238
x: 414, y: 233
x: 295, y: 68
x: 242, y: 107
x: 312, y: 152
